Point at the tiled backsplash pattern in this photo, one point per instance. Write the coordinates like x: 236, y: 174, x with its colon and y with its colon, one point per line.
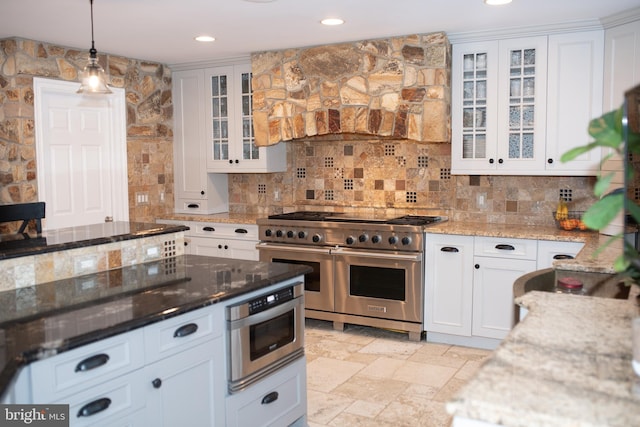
x: 401, y: 176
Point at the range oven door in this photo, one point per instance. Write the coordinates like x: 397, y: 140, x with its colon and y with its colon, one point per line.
x: 318, y: 285
x: 264, y: 334
x: 386, y: 285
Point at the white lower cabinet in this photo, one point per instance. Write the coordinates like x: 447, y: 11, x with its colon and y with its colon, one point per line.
x: 224, y: 240
x: 469, y: 286
x: 550, y: 251
x: 449, y: 277
x: 277, y: 401
x: 182, y: 389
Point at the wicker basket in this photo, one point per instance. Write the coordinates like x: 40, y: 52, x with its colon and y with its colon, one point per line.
x: 572, y: 222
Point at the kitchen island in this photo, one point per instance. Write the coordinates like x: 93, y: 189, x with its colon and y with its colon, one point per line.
x: 45, y: 321
x: 567, y: 363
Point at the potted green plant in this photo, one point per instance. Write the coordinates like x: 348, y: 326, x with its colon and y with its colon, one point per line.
x: 617, y: 130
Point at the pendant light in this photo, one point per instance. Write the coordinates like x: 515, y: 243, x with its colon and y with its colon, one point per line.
x: 93, y: 78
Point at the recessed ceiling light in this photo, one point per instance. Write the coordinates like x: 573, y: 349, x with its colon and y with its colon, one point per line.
x: 332, y: 21
x: 205, y: 39
x: 496, y: 2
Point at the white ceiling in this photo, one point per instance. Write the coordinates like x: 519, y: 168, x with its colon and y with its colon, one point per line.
x: 163, y: 30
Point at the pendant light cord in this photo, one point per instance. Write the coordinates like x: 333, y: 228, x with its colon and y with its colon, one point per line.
x: 93, y: 52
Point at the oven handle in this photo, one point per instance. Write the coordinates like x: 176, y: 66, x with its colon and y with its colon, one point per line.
x: 417, y: 257
x: 267, y: 314
x: 294, y: 248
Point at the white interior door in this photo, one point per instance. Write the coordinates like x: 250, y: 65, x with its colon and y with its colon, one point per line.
x: 81, y: 154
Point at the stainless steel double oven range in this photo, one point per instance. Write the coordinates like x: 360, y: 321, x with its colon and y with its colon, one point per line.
x: 366, y: 271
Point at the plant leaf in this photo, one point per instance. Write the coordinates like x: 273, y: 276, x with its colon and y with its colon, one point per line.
x: 602, y: 184
x: 602, y: 212
x: 633, y: 209
x: 607, y: 129
x: 577, y: 151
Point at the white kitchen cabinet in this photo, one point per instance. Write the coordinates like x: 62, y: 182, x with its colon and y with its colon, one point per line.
x: 549, y: 251
x: 575, y: 75
x: 225, y: 240
x: 498, y: 106
x: 448, y: 284
x: 188, y: 388
x: 196, y: 191
x: 278, y: 400
x: 518, y: 104
x: 498, y: 263
x: 228, y: 127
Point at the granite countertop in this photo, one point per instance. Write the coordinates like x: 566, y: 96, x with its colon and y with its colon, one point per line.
x: 46, y: 319
x: 224, y: 217
x: 568, y: 363
x: 17, y: 245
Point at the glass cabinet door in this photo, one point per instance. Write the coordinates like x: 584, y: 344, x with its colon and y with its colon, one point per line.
x: 474, y: 104
x: 219, y: 117
x: 249, y: 150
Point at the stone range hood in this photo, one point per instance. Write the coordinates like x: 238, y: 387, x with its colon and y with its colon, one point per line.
x: 396, y: 88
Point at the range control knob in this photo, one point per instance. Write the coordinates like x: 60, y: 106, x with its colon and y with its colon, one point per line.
x: 393, y: 240
x: 363, y: 238
x: 350, y: 240
x: 316, y: 238
x: 268, y: 232
x: 406, y: 240
x: 279, y: 233
x: 302, y: 234
x: 290, y: 234
x: 376, y: 239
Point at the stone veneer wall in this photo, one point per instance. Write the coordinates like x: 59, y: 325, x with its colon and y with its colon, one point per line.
x: 149, y: 120
x: 397, y: 87
x: 27, y: 271
x: 402, y: 176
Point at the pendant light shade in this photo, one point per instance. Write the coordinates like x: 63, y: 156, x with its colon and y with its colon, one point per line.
x: 93, y: 78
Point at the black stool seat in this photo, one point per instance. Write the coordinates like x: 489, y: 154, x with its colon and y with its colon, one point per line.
x: 24, y: 212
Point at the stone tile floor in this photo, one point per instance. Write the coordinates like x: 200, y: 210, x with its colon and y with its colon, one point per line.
x: 370, y: 377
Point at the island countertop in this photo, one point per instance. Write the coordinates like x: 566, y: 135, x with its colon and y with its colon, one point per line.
x: 18, y: 245
x: 568, y: 363
x: 50, y: 318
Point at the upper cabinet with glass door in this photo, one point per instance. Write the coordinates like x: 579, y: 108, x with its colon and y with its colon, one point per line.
x: 512, y: 104
x: 497, y: 114
x: 229, y: 125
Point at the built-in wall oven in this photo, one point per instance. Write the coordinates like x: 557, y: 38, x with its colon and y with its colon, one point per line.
x: 265, y: 333
x: 366, y: 271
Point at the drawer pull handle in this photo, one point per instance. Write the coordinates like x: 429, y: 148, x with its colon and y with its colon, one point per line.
x: 562, y: 256
x: 449, y: 249
x: 505, y: 247
x: 241, y: 230
x: 94, y: 407
x: 208, y: 229
x: 92, y: 362
x: 193, y: 206
x: 269, y: 398
x: 185, y: 330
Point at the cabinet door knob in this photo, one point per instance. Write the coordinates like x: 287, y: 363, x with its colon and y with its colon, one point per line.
x: 157, y: 383
x: 92, y: 362
x: 550, y: 161
x: 500, y: 161
x: 185, y: 330
x: 491, y: 161
x: 230, y: 161
x: 477, y: 266
x: 226, y: 246
x: 202, y: 192
x: 237, y: 161
x: 94, y: 407
x: 219, y: 246
x: 269, y: 398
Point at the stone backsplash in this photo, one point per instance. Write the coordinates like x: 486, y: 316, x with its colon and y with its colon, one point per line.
x: 149, y: 121
x: 397, y: 87
x: 405, y: 177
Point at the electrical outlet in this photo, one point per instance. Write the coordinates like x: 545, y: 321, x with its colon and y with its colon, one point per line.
x: 481, y: 200
x: 276, y: 195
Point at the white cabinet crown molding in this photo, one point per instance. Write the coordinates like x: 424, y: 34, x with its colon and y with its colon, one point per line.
x: 525, y: 31
x: 209, y: 64
x: 621, y: 18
